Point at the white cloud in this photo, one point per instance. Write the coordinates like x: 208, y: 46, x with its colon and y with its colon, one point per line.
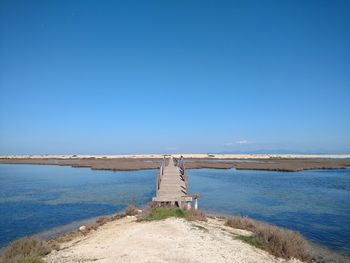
x: 243, y: 142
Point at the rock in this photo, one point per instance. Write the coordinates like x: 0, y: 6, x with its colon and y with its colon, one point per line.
x: 82, y: 228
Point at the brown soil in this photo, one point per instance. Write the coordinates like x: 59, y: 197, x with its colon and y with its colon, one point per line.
x: 294, y: 165
x: 277, y: 164
x: 128, y: 164
x: 116, y: 164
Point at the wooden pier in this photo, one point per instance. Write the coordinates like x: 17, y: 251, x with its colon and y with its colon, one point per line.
x: 172, y: 184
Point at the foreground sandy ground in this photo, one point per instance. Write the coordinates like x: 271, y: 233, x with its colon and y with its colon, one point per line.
x: 170, y: 240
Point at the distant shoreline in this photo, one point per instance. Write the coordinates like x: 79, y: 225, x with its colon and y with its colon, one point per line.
x: 282, y: 163
x: 186, y: 156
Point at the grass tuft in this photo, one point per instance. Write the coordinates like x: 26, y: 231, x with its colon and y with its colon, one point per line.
x: 154, y: 211
x: 27, y: 250
x: 195, y: 215
x: 241, y: 223
x: 131, y: 210
x: 253, y: 241
x: 279, y: 242
x: 163, y: 213
x: 202, y: 228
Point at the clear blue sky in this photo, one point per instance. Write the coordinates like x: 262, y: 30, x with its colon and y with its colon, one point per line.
x: 115, y: 77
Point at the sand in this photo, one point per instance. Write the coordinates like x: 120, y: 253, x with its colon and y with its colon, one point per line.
x: 170, y: 240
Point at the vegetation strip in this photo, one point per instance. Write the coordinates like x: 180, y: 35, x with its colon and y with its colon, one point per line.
x: 132, y: 164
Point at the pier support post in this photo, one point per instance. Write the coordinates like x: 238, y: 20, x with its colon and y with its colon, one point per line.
x: 188, y: 205
x: 196, y: 204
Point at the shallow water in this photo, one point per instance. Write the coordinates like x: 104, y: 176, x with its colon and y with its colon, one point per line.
x: 36, y: 198
x: 315, y: 203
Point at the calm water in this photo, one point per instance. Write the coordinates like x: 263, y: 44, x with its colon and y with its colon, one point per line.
x: 315, y: 203
x: 36, y: 198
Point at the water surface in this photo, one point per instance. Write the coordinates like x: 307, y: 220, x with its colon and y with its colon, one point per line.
x: 315, y: 203
x: 35, y: 198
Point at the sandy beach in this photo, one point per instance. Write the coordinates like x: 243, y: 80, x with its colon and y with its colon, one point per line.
x: 170, y: 240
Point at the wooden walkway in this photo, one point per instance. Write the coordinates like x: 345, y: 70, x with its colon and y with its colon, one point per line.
x: 172, y: 184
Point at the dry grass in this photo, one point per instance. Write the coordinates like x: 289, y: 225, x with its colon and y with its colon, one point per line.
x: 131, y: 210
x: 27, y: 249
x: 277, y: 241
x: 196, y: 215
x: 103, y: 220
x: 68, y: 236
x: 241, y: 223
x: 118, y: 216
x: 100, y: 222
x: 283, y: 243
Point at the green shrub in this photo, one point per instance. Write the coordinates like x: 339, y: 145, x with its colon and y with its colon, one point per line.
x: 163, y: 213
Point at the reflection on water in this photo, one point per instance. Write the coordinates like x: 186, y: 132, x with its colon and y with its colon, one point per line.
x: 34, y: 198
x: 315, y: 203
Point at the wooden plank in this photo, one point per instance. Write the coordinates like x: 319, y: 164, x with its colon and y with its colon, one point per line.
x: 172, y: 184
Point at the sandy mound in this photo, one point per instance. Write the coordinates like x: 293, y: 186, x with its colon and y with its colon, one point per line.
x: 170, y: 240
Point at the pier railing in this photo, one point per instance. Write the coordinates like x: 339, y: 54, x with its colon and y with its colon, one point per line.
x: 181, y: 164
x: 161, y: 172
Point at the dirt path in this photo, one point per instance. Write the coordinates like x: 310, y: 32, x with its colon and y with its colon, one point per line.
x: 170, y: 240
